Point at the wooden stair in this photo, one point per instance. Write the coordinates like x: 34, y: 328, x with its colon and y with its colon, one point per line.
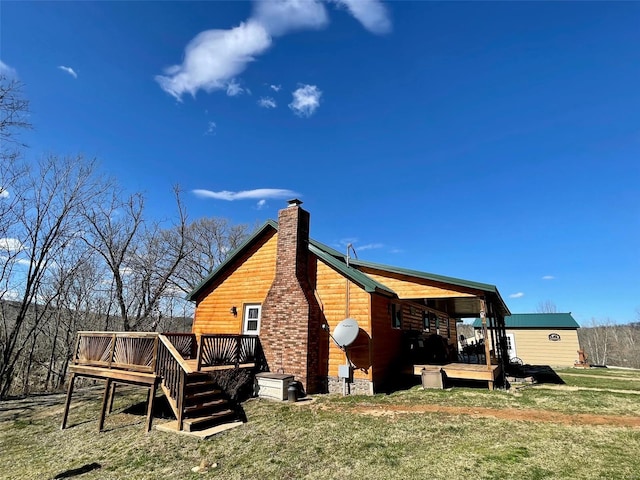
x: 204, y: 404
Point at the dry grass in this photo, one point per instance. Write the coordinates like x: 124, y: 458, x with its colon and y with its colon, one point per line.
x: 329, y: 438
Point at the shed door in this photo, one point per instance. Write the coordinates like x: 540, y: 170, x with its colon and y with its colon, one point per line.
x: 251, y: 323
x: 511, y: 346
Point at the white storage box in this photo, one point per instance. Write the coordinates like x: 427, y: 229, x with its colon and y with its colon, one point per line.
x: 272, y: 385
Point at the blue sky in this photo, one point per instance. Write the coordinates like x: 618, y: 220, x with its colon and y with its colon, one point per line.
x: 495, y: 142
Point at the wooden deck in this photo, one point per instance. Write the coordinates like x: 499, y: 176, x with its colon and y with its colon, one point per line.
x: 175, y: 362
x: 464, y: 371
x: 193, y: 364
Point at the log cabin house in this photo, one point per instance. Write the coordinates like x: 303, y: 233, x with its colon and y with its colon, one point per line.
x: 291, y: 291
x: 270, y: 307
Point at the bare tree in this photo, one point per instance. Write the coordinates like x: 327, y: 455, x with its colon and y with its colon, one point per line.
x: 140, y: 256
x: 210, y: 240
x: 14, y: 111
x: 45, y: 219
x: 546, y: 307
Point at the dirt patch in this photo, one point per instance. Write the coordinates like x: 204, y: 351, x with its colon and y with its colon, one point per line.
x: 525, y: 415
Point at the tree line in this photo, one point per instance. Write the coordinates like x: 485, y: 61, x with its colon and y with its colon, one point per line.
x: 77, y: 252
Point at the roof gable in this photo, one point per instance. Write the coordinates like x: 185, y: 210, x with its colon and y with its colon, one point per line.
x: 244, y: 246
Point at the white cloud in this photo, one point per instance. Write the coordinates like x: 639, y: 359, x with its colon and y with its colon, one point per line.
x: 211, y: 128
x: 283, y: 16
x: 516, y: 295
x: 69, y: 70
x: 4, y: 193
x: 346, y: 241
x: 259, y: 193
x: 261, y: 204
x: 7, y: 70
x: 306, y: 100
x: 370, y: 246
x: 214, y: 57
x: 548, y: 277
x: 11, y: 245
x: 234, y: 88
x: 267, y: 102
x: 372, y: 14
x: 275, y: 88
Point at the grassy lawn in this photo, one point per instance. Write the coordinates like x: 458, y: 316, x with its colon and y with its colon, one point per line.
x: 335, y: 437
x: 609, y: 378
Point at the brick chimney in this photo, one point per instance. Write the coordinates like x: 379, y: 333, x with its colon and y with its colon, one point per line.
x: 291, y: 317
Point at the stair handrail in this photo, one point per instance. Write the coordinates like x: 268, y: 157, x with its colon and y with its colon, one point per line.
x: 174, y: 370
x: 175, y: 354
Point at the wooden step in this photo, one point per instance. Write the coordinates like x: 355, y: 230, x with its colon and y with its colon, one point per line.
x: 200, y: 423
x: 209, y: 406
x: 200, y: 397
x: 200, y: 386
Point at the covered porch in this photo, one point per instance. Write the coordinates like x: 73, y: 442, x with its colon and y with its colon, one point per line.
x: 439, y: 347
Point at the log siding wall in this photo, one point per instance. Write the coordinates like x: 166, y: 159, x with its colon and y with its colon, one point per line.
x: 249, y: 281
x: 332, y: 294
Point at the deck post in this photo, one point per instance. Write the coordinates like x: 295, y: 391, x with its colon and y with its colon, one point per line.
x: 72, y: 379
x: 105, y: 397
x: 150, y: 400
x: 112, y: 394
x: 182, y: 385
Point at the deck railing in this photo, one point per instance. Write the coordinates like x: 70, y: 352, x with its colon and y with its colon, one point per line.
x: 228, y: 350
x: 124, y: 350
x: 185, y: 343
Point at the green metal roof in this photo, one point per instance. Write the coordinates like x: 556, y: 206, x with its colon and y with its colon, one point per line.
x: 536, y: 320
x: 328, y: 255
x: 427, y: 276
x: 325, y: 253
x: 337, y: 260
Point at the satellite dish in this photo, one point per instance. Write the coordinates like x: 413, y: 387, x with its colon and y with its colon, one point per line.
x: 346, y: 332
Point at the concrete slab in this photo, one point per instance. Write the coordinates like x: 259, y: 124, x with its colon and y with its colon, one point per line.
x: 172, y: 427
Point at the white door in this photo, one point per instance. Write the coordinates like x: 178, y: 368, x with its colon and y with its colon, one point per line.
x: 511, y: 346
x: 251, y: 322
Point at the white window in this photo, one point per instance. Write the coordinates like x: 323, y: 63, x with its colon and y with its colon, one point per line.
x: 251, y: 323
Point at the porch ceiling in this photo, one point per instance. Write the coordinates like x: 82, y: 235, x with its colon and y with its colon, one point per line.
x: 458, y: 307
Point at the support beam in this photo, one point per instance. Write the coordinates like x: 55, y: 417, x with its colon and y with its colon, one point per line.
x: 150, y: 401
x: 105, y: 398
x: 72, y: 379
x: 112, y: 394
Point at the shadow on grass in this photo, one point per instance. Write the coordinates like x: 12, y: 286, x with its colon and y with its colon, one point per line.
x: 161, y: 408
x: 74, y: 472
x: 539, y: 373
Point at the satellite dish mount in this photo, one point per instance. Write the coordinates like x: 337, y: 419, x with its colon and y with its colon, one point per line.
x: 344, y: 335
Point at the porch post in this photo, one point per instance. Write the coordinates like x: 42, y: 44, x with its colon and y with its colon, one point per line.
x: 487, y: 348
